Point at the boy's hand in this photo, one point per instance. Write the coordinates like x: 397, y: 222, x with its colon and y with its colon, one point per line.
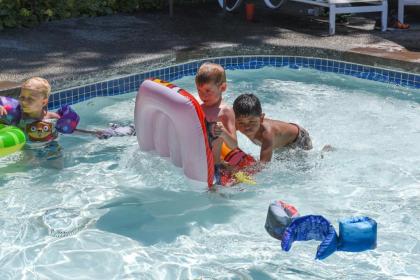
x: 3, y: 111
x: 218, y: 129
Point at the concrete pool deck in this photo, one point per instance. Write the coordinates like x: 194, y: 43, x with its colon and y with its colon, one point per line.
x: 84, y: 50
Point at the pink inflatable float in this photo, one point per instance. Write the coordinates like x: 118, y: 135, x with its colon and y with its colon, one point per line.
x: 170, y: 121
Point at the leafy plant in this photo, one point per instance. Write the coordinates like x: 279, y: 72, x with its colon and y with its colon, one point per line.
x: 15, y: 13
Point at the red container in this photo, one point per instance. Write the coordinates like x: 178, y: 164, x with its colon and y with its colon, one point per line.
x: 250, y: 11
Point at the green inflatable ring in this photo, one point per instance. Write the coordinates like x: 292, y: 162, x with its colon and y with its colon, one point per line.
x: 12, y: 139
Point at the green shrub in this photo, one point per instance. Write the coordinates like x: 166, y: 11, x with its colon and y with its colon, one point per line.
x: 14, y: 13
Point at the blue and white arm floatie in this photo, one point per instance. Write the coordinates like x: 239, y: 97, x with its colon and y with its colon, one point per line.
x: 356, y: 234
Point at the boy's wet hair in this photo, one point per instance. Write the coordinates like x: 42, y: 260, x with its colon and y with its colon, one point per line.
x: 39, y: 85
x: 210, y: 73
x: 247, y: 105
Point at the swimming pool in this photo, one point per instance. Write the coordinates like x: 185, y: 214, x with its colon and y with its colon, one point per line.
x: 136, y: 216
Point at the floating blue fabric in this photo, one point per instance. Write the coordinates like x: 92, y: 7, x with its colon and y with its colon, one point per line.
x: 311, y: 227
x: 357, y: 234
x: 279, y: 216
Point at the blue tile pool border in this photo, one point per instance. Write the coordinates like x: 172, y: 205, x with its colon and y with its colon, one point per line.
x: 130, y: 83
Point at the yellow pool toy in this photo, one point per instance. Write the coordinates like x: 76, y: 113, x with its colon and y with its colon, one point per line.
x: 238, y: 159
x: 242, y: 177
x: 12, y: 139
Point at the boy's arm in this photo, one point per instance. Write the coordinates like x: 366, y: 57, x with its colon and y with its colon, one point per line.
x: 228, y: 130
x: 266, y: 148
x: 79, y: 131
x: 97, y: 133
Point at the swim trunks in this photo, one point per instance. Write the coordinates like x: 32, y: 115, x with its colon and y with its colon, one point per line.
x: 50, y: 151
x: 303, y: 140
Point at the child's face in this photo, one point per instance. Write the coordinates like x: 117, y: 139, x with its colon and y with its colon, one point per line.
x: 210, y: 93
x: 248, y: 125
x: 32, y: 102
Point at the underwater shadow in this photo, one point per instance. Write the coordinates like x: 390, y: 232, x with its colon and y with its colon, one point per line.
x: 158, y: 215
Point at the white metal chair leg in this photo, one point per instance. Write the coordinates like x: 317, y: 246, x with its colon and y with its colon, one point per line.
x: 384, y: 17
x: 272, y: 5
x: 401, y: 11
x: 223, y: 5
x: 332, y: 19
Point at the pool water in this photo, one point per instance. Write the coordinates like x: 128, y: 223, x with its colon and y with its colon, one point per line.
x: 115, y: 212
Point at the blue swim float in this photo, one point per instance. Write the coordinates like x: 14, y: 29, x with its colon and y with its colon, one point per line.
x: 356, y: 234
x: 279, y: 217
x: 311, y: 227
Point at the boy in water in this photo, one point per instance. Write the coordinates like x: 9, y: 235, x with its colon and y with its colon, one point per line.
x: 267, y: 133
x: 34, y: 119
x: 41, y: 126
x: 33, y: 101
x: 210, y: 81
x: 37, y: 122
